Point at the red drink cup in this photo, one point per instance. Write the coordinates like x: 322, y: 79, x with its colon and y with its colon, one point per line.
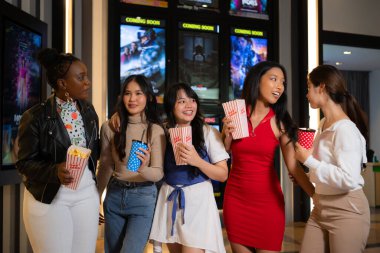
x: 306, y: 137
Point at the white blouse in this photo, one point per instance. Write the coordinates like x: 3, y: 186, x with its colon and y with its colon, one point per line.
x: 214, y: 144
x: 336, y: 163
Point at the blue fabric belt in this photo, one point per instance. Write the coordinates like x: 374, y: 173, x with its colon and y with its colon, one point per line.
x: 180, y: 194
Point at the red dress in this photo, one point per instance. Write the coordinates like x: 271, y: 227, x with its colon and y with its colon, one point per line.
x: 254, y: 209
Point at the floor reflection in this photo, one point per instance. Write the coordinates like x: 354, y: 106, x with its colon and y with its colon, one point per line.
x: 292, y: 238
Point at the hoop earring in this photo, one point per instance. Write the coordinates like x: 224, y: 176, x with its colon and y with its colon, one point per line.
x: 68, y: 98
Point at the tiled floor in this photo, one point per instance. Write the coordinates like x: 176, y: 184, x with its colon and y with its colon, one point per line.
x: 293, y: 237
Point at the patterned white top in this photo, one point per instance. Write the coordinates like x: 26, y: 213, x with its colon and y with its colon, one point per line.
x: 73, y: 121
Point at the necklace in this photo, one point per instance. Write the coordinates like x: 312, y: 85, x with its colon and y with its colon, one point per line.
x: 69, y: 106
x: 261, y: 119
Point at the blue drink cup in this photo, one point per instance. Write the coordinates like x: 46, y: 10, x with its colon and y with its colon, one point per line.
x: 134, y: 162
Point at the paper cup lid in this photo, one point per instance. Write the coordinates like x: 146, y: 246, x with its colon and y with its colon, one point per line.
x: 306, y: 129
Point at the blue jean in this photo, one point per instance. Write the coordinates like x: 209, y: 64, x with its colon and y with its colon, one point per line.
x: 128, y: 217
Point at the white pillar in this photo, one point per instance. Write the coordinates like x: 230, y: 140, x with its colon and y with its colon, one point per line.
x: 99, y: 57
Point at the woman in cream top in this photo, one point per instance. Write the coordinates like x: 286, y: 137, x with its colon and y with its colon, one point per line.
x: 131, y: 192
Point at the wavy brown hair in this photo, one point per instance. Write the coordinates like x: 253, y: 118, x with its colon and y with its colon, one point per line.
x: 150, y: 111
x: 336, y: 88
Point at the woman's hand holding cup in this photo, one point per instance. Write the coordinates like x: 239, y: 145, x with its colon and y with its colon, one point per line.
x: 144, y: 156
x: 301, y: 153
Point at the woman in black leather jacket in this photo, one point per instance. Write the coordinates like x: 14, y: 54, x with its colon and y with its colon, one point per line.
x: 58, y: 218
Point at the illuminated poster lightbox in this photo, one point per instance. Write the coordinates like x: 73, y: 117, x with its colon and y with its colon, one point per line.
x: 248, y: 47
x: 198, y: 63
x: 22, y: 78
x: 155, y: 3
x: 212, y: 5
x: 249, y: 8
x: 142, y: 51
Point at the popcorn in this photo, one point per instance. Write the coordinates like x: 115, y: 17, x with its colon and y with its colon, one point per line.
x: 236, y: 110
x: 180, y: 135
x: 76, y: 161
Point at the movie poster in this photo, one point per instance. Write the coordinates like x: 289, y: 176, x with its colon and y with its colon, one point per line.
x: 142, y: 51
x: 21, y: 82
x: 201, y: 3
x: 199, y: 63
x: 249, y: 8
x: 155, y: 3
x: 245, y: 53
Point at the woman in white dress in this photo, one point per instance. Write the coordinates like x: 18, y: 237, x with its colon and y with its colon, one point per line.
x: 186, y: 216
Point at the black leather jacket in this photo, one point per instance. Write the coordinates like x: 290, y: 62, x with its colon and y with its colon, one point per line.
x: 43, y: 143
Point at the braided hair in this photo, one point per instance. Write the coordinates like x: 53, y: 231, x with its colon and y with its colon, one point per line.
x: 56, y: 65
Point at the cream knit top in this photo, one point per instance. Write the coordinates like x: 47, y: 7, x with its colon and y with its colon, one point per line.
x: 110, y: 164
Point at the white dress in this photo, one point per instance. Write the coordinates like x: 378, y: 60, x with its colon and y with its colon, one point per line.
x: 201, y: 227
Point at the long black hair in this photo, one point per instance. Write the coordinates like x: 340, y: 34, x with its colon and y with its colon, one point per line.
x: 57, y: 65
x: 251, y: 92
x: 150, y: 111
x: 197, y: 123
x: 337, y: 90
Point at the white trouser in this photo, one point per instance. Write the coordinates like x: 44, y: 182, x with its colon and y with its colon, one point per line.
x: 68, y: 225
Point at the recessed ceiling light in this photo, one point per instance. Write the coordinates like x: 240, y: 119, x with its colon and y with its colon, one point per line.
x: 347, y: 52
x: 338, y: 63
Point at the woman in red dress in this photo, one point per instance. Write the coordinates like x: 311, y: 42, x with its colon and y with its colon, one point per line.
x: 253, y: 210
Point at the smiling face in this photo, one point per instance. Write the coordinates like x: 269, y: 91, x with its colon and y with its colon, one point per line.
x: 272, y: 85
x: 185, y: 109
x: 76, y: 81
x: 134, y: 98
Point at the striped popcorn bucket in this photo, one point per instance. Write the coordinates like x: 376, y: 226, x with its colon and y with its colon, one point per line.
x: 180, y: 135
x: 76, y: 161
x: 236, y: 110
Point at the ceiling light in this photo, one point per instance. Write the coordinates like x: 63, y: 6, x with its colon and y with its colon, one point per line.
x: 338, y: 63
x: 347, y: 52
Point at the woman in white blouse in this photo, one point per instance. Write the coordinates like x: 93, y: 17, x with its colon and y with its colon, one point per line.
x: 340, y: 220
